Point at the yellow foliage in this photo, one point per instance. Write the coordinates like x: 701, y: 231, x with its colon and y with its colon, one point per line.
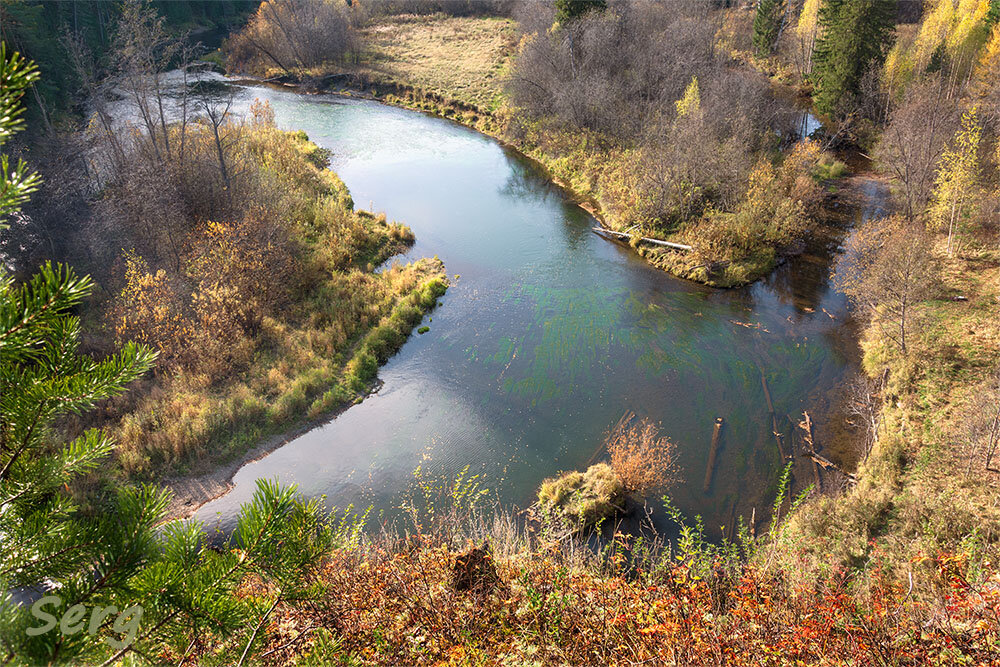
x: 807, y: 19
x: 968, y: 15
x: 988, y: 68
x: 690, y: 102
x: 898, y: 66
x: 934, y: 29
x: 147, y: 310
x: 947, y: 23
x: 958, y: 173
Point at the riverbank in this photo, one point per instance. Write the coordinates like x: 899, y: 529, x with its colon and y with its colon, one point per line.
x: 928, y: 484
x: 578, y: 162
x: 898, y: 568
x: 409, y: 63
x: 291, y: 314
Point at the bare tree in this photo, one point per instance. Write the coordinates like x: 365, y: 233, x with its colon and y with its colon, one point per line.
x: 980, y: 428
x: 613, y: 71
x: 142, y: 50
x: 912, y: 144
x: 293, y: 35
x: 864, y: 403
x: 886, y: 270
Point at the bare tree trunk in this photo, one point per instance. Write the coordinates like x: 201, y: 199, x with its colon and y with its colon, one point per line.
x: 163, y: 117
x: 292, y: 43
x: 951, y: 225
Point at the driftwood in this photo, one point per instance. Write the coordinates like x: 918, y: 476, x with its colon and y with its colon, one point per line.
x: 767, y: 393
x: 815, y: 457
x: 623, y: 235
x: 809, y: 445
x: 779, y: 437
x: 713, y: 450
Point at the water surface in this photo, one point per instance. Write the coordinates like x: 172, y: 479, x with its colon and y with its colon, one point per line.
x: 547, y: 335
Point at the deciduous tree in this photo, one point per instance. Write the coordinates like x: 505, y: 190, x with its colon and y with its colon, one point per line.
x: 957, y: 176
x: 178, y: 593
x: 912, y: 143
x: 886, y: 270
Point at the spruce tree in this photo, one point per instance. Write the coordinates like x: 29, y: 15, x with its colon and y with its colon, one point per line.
x: 992, y: 15
x: 567, y: 10
x: 16, y: 182
x: 767, y: 25
x: 854, y: 35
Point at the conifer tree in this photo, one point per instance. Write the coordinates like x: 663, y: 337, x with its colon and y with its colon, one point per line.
x: 854, y: 35
x: 767, y: 25
x: 16, y: 182
x: 567, y: 10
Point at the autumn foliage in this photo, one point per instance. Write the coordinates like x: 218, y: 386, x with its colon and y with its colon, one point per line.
x: 643, y: 459
x: 395, y: 602
x: 267, y: 307
x: 148, y: 310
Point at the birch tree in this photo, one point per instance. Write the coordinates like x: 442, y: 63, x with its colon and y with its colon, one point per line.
x: 957, y: 176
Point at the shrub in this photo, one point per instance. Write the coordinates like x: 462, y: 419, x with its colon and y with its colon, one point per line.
x: 642, y: 460
x: 149, y: 310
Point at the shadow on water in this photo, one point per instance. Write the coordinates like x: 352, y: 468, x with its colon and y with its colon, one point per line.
x: 548, y: 336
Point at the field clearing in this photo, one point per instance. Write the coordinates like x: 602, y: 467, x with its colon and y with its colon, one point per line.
x: 463, y: 59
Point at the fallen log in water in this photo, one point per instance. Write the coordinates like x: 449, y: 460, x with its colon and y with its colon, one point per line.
x: 809, y: 445
x: 713, y: 450
x: 780, y: 438
x: 815, y: 457
x: 774, y: 419
x: 767, y: 394
x: 827, y: 464
x: 623, y: 235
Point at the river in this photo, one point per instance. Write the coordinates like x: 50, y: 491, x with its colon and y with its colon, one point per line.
x: 547, y: 335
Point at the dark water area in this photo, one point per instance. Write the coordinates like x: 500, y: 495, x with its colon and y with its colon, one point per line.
x: 548, y: 335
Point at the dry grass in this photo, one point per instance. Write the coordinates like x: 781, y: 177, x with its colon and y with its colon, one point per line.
x: 584, y: 498
x: 527, y: 600
x: 925, y: 487
x: 316, y: 353
x: 459, y: 58
x: 454, y: 67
